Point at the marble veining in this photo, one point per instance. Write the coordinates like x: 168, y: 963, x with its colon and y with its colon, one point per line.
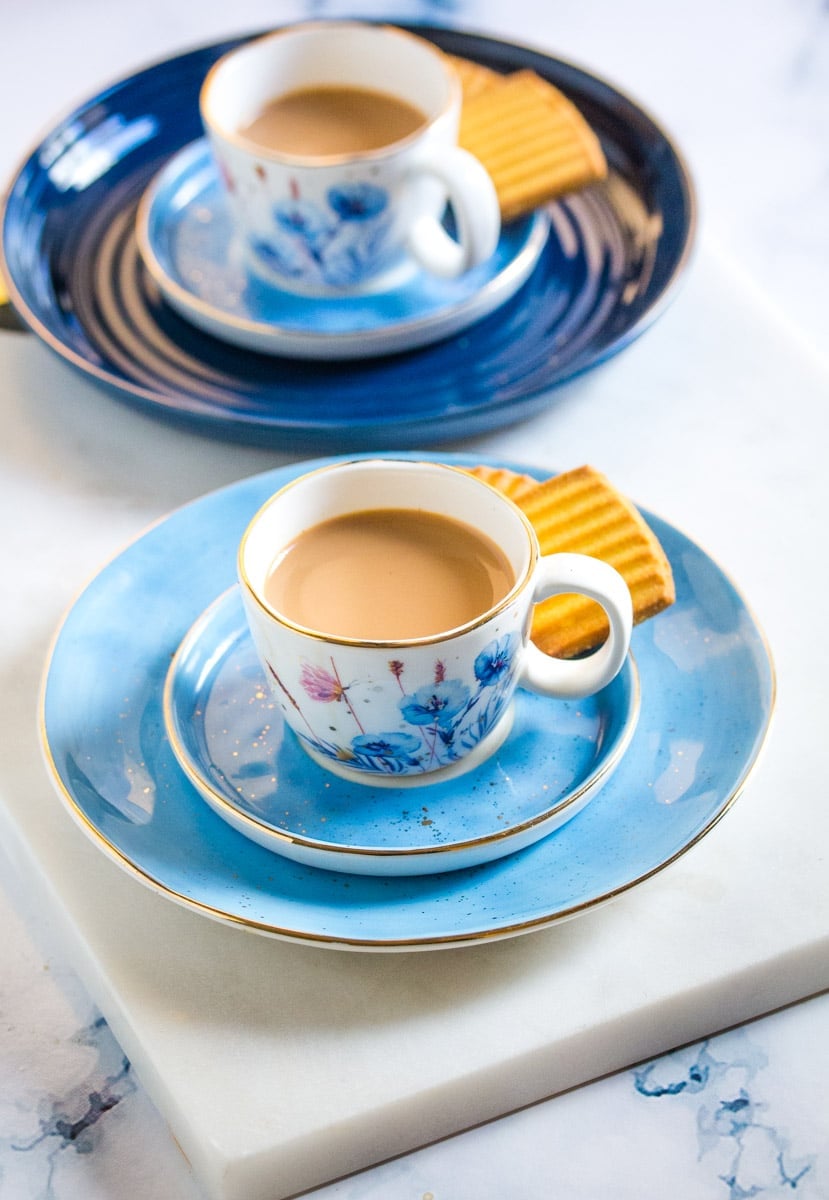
x: 716, y: 1118
x: 33, y: 1147
x: 719, y: 1084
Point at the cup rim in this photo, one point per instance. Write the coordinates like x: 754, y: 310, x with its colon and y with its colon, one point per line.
x: 521, y: 582
x: 233, y: 138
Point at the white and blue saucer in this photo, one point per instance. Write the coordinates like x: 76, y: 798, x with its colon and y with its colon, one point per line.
x: 706, y: 698
x: 226, y: 729
x: 190, y: 248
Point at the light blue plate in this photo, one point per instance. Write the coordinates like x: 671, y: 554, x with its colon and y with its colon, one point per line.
x: 227, y: 732
x: 186, y: 238
x: 707, y: 692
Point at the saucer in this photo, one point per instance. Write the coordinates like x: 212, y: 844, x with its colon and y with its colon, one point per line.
x: 611, y: 264
x: 227, y: 732
x: 187, y: 241
x: 707, y: 693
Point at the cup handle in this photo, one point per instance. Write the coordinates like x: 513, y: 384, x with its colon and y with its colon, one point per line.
x: 573, y: 678
x: 474, y: 202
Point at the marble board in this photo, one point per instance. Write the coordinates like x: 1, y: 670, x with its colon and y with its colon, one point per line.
x: 281, y: 1066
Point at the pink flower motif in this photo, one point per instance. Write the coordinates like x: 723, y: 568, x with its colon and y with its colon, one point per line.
x: 320, y: 684
x: 227, y: 178
x: 397, y: 668
x: 326, y: 686
x: 440, y: 671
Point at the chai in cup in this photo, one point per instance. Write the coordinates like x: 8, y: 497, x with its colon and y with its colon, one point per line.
x: 388, y: 575
x: 338, y: 145
x: 322, y: 121
x: 390, y: 604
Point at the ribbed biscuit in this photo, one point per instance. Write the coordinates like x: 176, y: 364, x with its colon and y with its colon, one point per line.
x: 581, y: 511
x: 512, y: 484
x: 533, y: 141
x: 475, y: 77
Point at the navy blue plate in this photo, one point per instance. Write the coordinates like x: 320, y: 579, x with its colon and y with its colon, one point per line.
x: 707, y: 693
x: 186, y: 238
x: 76, y: 278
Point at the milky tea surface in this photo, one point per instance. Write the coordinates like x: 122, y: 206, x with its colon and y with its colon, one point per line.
x: 388, y: 575
x: 322, y: 121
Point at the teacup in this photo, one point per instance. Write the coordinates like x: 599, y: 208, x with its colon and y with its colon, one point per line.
x: 339, y: 564
x: 337, y: 144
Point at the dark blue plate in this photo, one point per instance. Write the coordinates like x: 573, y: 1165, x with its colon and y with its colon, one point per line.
x: 76, y: 278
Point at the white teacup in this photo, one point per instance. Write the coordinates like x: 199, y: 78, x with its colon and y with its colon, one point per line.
x: 321, y: 221
x: 384, y: 708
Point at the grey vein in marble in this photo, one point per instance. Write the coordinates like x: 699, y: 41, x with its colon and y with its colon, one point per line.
x: 717, y: 1082
x: 70, y: 1122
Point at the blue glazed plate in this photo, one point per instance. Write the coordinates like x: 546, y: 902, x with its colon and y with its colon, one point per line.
x: 707, y: 692
x: 76, y: 277
x: 227, y: 732
x: 186, y: 239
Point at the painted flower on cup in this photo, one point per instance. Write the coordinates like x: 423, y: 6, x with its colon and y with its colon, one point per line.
x: 303, y: 218
x: 320, y: 684
x: 280, y: 255
x: 326, y: 686
x: 440, y: 719
x: 357, y: 201
x: 336, y: 243
x: 437, y: 703
x: 400, y: 748
x: 495, y: 660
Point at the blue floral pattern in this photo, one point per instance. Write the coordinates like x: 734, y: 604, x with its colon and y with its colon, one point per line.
x: 440, y: 719
x: 357, y: 201
x: 717, y: 1083
x: 437, y: 703
x: 339, y: 244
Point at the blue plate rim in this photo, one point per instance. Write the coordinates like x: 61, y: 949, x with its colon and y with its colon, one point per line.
x: 515, y: 403
x: 341, y: 941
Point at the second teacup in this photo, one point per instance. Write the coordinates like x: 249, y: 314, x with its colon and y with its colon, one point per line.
x: 390, y: 603
x: 337, y: 142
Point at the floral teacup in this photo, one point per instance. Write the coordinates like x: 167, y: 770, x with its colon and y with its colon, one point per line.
x: 382, y: 711
x: 339, y: 223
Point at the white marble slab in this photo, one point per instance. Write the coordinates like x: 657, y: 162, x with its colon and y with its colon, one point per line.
x: 747, y: 1106
x: 275, y: 1062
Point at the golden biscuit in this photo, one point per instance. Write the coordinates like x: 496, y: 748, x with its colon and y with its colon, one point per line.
x: 475, y: 77
x: 581, y: 511
x: 533, y: 141
x: 510, y: 483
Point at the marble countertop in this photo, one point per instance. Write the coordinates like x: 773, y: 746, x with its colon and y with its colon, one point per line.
x: 744, y: 87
